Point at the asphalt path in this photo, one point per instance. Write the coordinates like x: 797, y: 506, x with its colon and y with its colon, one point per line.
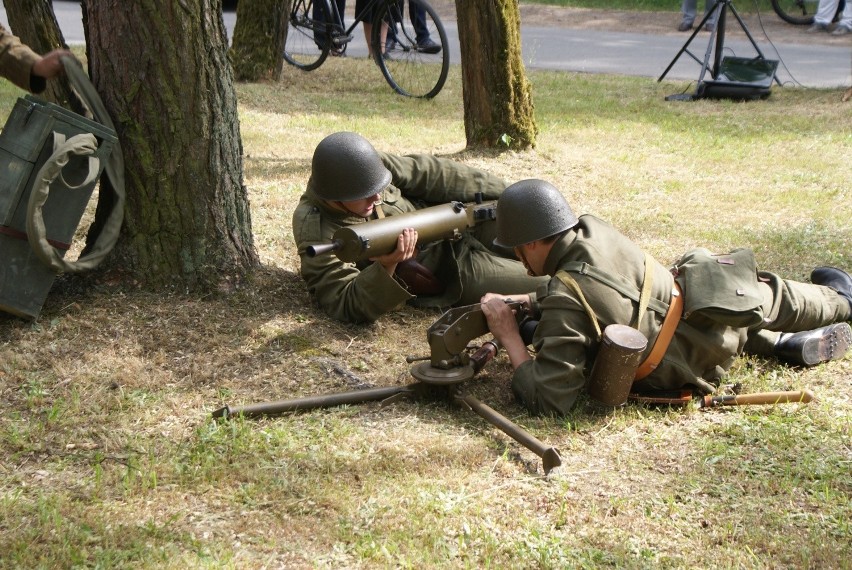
x: 626, y: 53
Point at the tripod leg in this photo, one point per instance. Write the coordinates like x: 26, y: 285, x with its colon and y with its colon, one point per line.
x: 683, y: 49
x: 717, y: 37
x: 698, y: 28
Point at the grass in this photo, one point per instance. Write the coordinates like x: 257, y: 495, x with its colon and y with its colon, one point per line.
x: 111, y: 458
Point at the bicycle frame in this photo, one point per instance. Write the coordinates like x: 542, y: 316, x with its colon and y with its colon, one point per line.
x: 338, y: 24
x: 411, y: 50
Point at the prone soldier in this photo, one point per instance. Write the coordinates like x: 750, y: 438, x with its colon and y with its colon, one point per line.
x: 697, y: 315
x: 352, y: 183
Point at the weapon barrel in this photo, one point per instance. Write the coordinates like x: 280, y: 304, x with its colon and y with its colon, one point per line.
x: 758, y: 398
x: 549, y: 455
x: 378, y: 237
x: 309, y: 403
x: 314, y: 250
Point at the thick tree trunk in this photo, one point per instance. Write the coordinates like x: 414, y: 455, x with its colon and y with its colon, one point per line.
x: 257, y: 51
x: 35, y: 23
x: 498, y: 107
x: 161, y: 68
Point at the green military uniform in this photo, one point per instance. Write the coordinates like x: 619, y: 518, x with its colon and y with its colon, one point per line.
x: 16, y: 63
x: 610, y: 270
x: 468, y: 269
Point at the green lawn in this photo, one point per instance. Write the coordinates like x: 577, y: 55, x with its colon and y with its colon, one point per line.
x: 111, y: 458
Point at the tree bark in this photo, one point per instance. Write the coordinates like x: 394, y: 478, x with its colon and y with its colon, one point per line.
x: 162, y: 71
x: 257, y: 51
x: 34, y: 22
x: 498, y: 106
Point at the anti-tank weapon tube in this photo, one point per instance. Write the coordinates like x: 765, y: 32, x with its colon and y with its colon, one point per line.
x: 379, y: 237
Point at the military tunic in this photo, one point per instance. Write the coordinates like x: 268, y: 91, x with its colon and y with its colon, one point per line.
x: 16, y: 63
x: 362, y: 293
x: 702, y: 349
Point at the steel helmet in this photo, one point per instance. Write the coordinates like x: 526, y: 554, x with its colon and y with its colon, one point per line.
x: 529, y: 210
x: 346, y: 167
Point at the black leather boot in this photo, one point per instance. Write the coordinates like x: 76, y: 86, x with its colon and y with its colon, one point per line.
x: 809, y: 348
x: 835, y: 278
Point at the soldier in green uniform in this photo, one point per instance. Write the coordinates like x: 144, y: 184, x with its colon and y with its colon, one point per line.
x: 352, y: 183
x: 697, y: 316
x: 25, y: 68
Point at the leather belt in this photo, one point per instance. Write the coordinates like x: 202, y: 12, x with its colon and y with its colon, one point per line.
x: 664, y: 338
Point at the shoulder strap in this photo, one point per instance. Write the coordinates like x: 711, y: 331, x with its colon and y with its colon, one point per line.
x: 619, y: 284
x: 572, y: 284
x: 647, y: 286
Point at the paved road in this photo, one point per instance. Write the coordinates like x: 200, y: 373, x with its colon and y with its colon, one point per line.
x: 608, y: 52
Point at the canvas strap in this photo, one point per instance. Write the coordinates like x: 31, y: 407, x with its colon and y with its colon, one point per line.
x: 572, y: 284
x: 672, y: 311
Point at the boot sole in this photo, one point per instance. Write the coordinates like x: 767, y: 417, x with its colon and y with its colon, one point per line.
x: 832, y: 345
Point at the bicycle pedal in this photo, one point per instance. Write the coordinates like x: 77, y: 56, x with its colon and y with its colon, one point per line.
x: 341, y: 40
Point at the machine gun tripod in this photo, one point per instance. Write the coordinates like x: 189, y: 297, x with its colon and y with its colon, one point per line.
x: 730, y: 77
x: 439, y: 376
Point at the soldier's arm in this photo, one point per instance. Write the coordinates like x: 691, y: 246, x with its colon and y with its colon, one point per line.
x: 17, y: 61
x: 551, y: 383
x: 440, y: 180
x: 342, y: 290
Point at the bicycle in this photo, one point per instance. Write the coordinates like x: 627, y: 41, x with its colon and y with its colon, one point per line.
x: 411, y: 66
x: 800, y: 12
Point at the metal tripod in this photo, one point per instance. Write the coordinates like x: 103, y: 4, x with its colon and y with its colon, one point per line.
x: 717, y: 41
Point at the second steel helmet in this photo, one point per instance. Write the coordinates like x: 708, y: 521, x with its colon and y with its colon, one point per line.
x: 346, y: 167
x: 530, y: 210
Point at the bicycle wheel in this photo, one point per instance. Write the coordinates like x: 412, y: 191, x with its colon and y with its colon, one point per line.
x: 415, y: 59
x: 308, y: 34
x: 799, y: 12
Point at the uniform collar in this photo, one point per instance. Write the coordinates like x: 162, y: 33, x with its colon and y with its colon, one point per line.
x: 560, y: 250
x: 327, y: 211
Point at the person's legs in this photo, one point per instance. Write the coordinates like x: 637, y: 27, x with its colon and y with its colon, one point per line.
x: 688, y: 10
x: 844, y: 26
x: 826, y: 9
x: 804, y: 323
x: 793, y: 306
x: 711, y: 22
x: 482, y: 272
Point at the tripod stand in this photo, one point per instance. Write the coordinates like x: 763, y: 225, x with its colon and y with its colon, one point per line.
x: 758, y: 68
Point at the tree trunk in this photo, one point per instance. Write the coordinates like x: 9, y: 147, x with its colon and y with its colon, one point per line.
x: 257, y: 52
x: 162, y: 71
x: 35, y: 23
x: 498, y: 107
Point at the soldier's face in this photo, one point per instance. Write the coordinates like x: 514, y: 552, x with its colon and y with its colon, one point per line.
x: 532, y: 255
x: 365, y: 207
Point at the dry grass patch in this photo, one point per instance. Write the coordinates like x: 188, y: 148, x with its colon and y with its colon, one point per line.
x: 112, y: 459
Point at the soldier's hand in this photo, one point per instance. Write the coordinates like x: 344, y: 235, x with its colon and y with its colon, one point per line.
x: 504, y: 327
x: 406, y: 248
x: 50, y: 65
x: 523, y: 299
x: 501, y: 318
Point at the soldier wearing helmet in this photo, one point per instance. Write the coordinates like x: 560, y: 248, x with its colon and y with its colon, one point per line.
x: 697, y: 315
x: 351, y: 183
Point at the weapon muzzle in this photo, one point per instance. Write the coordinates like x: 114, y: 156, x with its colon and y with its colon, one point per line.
x: 314, y: 250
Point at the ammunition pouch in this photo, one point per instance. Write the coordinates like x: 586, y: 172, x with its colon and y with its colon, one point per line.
x: 419, y: 279
x: 722, y: 288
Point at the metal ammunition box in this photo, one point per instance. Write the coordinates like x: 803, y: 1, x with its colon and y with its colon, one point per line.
x: 26, y: 143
